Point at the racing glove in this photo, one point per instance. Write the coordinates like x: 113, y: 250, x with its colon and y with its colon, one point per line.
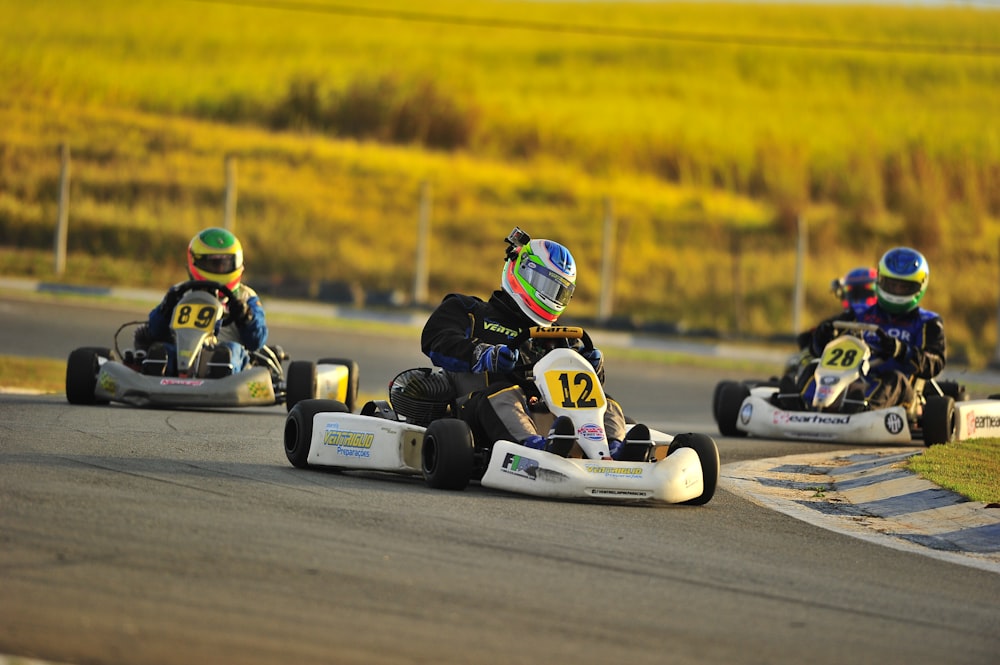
x: 596, y: 359
x: 239, y: 312
x: 889, y: 346
x: 498, y: 358
x: 821, y: 337
x: 171, y: 299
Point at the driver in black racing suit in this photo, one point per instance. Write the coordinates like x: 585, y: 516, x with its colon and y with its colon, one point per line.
x: 470, y: 339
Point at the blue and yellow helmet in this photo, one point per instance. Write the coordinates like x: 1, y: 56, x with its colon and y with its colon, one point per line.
x: 541, y: 277
x: 902, y: 280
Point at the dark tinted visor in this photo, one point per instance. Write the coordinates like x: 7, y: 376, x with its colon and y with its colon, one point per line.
x: 218, y: 264
x: 898, y: 287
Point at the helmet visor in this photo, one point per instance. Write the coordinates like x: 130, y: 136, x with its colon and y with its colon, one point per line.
x: 859, y: 292
x: 216, y: 264
x: 548, y: 284
x: 898, y: 287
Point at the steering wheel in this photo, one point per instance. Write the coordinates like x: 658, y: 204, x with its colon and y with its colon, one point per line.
x: 533, y: 343
x: 210, y: 286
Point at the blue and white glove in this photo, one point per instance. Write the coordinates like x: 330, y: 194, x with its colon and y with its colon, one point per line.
x: 499, y: 358
x: 596, y: 359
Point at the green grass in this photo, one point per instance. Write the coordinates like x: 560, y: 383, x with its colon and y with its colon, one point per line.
x: 708, y: 150
x: 970, y: 468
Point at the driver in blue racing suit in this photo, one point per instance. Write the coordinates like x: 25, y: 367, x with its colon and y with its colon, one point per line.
x: 213, y: 254
x: 470, y: 340
x: 910, y: 340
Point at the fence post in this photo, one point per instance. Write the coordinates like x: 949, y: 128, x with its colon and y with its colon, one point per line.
x: 229, y: 211
x: 736, y: 251
x: 423, y: 241
x: 608, y: 252
x: 800, y: 276
x: 995, y: 363
x: 62, y: 223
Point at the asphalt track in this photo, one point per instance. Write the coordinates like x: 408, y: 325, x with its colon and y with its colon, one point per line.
x: 146, y: 536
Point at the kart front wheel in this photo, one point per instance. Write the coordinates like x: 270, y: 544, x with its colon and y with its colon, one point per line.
x: 731, y: 397
x: 299, y: 427
x: 708, y: 455
x: 939, y: 424
x: 447, y: 454
x: 300, y: 383
x: 82, y: 368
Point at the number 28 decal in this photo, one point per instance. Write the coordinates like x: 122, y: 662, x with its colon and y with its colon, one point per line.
x: 574, y: 390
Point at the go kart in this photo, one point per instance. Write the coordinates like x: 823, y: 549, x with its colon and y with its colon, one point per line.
x: 839, y: 412
x: 99, y: 375
x: 429, y: 440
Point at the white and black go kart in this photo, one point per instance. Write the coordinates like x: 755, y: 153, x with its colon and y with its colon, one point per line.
x: 415, y: 432
x: 99, y: 375
x: 838, y: 413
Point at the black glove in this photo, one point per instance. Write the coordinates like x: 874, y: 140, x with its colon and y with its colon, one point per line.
x: 239, y: 312
x: 171, y: 299
x: 821, y: 336
x: 889, y: 346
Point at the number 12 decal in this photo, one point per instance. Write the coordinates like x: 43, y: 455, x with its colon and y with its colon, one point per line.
x: 576, y: 389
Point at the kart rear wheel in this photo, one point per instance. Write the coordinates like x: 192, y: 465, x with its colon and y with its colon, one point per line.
x: 299, y: 427
x: 708, y: 455
x: 954, y: 390
x: 300, y: 383
x: 939, y: 424
x: 447, y: 454
x: 731, y: 398
x: 352, y: 378
x: 82, y: 368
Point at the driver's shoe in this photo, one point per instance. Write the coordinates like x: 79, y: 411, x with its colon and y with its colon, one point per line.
x: 155, y: 362
x: 562, y: 436
x: 637, y: 445
x: 221, y: 363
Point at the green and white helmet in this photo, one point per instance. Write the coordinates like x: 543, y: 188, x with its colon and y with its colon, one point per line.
x: 541, y: 277
x: 903, y: 274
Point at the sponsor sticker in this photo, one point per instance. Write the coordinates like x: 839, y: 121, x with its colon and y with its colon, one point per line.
x: 591, y: 431
x: 617, y: 493
x: 894, y: 423
x: 348, y: 443
x: 613, y: 471
x: 520, y: 466
x: 974, y: 422
x: 181, y: 382
x: 821, y: 419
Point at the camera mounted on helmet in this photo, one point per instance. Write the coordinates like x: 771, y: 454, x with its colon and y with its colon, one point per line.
x: 515, y: 240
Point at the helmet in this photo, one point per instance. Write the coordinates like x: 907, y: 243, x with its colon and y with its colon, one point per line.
x: 421, y: 395
x: 902, y: 279
x: 216, y: 254
x: 541, y: 276
x: 857, y: 288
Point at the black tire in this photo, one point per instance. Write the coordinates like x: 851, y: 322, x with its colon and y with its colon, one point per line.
x: 708, y: 455
x: 299, y: 427
x: 715, y: 398
x: 353, y: 377
x: 300, y: 383
x: 954, y: 390
x: 82, y: 368
x: 939, y: 424
x: 731, y: 398
x: 447, y: 454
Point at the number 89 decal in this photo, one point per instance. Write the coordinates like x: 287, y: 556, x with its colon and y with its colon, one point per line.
x: 576, y: 389
x: 186, y: 316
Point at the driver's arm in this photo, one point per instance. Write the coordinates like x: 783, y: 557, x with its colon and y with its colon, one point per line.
x: 447, y: 338
x: 928, y: 360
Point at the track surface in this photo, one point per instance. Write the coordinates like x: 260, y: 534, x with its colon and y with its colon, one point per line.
x: 146, y: 536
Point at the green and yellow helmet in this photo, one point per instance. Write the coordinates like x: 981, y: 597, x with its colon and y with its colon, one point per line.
x: 216, y: 254
x: 902, y: 280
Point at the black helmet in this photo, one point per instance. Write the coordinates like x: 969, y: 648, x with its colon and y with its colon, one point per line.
x: 421, y: 395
